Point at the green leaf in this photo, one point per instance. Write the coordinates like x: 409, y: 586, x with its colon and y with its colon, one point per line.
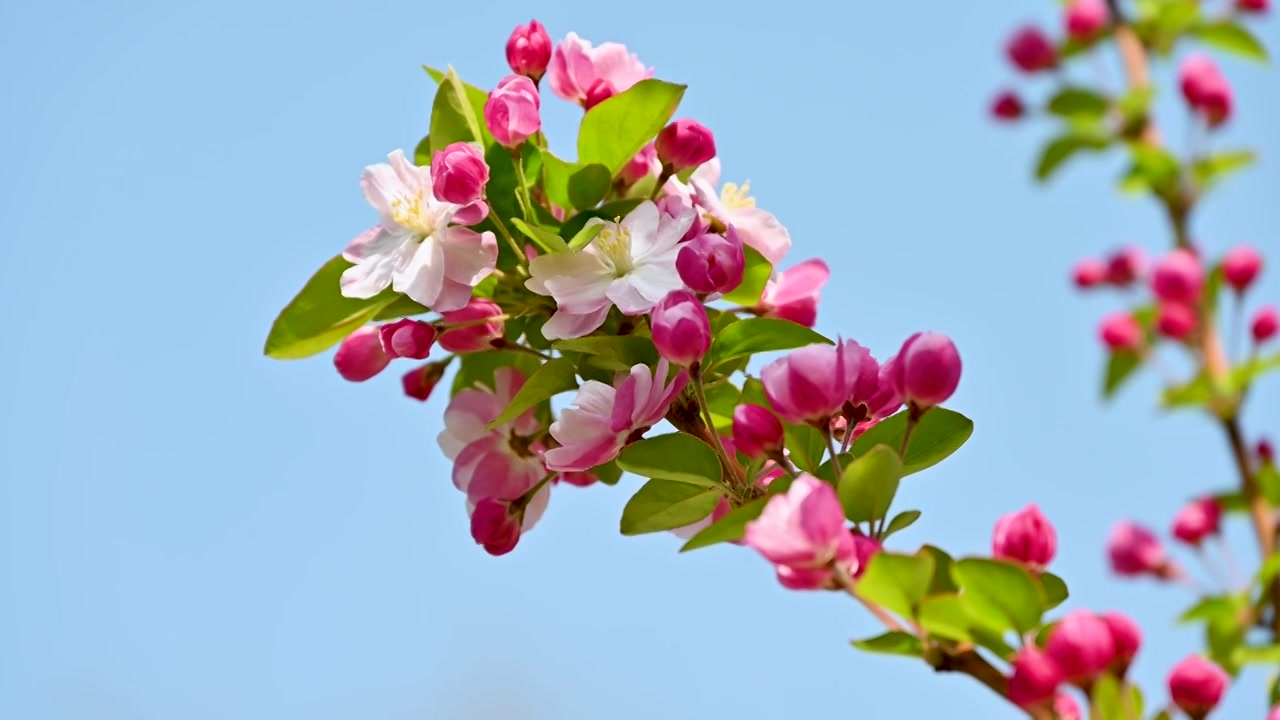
x: 942, y: 582
x: 608, y: 473
x: 556, y: 174
x: 753, y: 392
x: 723, y: 399
x: 1053, y: 590
x: 454, y: 117
x: 422, y: 152
x: 1244, y: 375
x: 1214, y: 168
x: 730, y: 528
x: 403, y: 306
x: 806, y: 445
x: 944, y: 616
x: 901, y: 521
x: 1001, y: 595
x: 1270, y: 567
x: 1269, y: 483
x: 1232, y: 37
x: 1105, y: 695
x: 1063, y: 149
x: 1154, y: 170
x: 622, y: 351
x: 589, y: 185
x: 584, y: 236
x: 757, y: 335
x: 755, y: 274
x: 1220, y: 608
x: 938, y: 434
x: 675, y: 457
x: 545, y: 239
x: 553, y: 378
x: 1195, y: 393
x: 894, y: 642
x: 1078, y: 102
x: 1256, y: 655
x: 478, y: 368
x: 665, y: 505
x: 319, y: 317
x: 896, y: 582
x: 615, y: 130
x: 1120, y: 367
x: 869, y: 484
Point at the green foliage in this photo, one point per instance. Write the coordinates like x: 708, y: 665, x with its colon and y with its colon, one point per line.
x: 938, y: 434
x: 1230, y: 36
x: 319, y: 317
x: 894, y: 642
x: 759, y: 335
x: 1000, y: 595
x: 608, y: 473
x: 730, y: 528
x: 723, y: 398
x: 617, y: 352
x: 545, y: 239
x: 1078, y: 102
x: 1053, y: 590
x: 941, y: 582
x: 944, y: 616
x: 1061, y: 149
x: 868, y: 485
x: 455, y: 116
x: 554, y: 377
x: 901, y: 521
x: 755, y: 275
x: 896, y: 582
x: 1216, y: 167
x: 675, y: 457
x: 1120, y: 367
x: 806, y: 445
x: 478, y: 368
x: 615, y: 130
x: 665, y: 505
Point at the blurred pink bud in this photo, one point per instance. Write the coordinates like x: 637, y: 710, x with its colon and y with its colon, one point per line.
x: 642, y: 165
x: 1086, y: 18
x: 681, y: 329
x: 793, y: 294
x: 407, y: 338
x: 1197, y: 520
x: 1127, y: 638
x: 1035, y: 678
x: 1066, y: 708
x: 802, y: 530
x: 466, y: 330
x: 1134, y: 550
x: 1025, y: 536
x: 1275, y: 711
x: 512, y: 111
x: 685, y: 144
x: 756, y: 432
x: 1265, y: 323
x: 865, y: 547
x: 812, y: 383
x: 529, y: 50
x: 494, y: 527
x: 1081, y: 645
x: 1125, y: 266
x: 459, y: 173
x: 360, y: 356
x: 419, y: 382
x: 1175, y: 321
x: 1253, y: 6
x: 1007, y: 106
x: 1241, y: 266
x: 579, y: 479
x: 1178, y: 277
x: 712, y: 263
x: 1031, y: 50
x: 1120, y: 332
x: 598, y: 93
x: 1205, y: 88
x: 1266, y: 452
x: 927, y: 369
x: 1089, y: 273
x: 1196, y: 685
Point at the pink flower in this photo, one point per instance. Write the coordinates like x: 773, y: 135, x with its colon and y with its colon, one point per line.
x: 459, y: 174
x: 466, y: 333
x: 711, y: 263
x: 1007, y: 106
x: 578, y: 479
x: 1025, y: 536
x: 1035, y: 678
x: 1205, y: 89
x: 674, y: 206
x: 756, y: 432
x: 1253, y: 6
x: 1125, y: 266
x: 734, y: 207
x: 681, y: 329
x: 603, y: 419
x: 793, y: 294
x: 1265, y: 323
x: 1265, y: 451
x: 1120, y: 332
x: 497, y: 464
x: 1127, y: 638
x: 494, y: 526
x: 1275, y: 711
x: 1135, y: 550
x: 512, y: 111
x: 1066, y: 708
x: 684, y: 144
x: 644, y: 164
x: 1196, y: 686
x: 1030, y: 50
x: 529, y: 50
x: 1086, y: 18
x: 472, y: 409
x: 407, y: 338
x: 865, y: 547
x: 927, y: 370
x: 802, y: 531
x: 1241, y: 266
x: 421, y: 381
x: 577, y: 67
x: 414, y: 250
x: 1089, y: 273
x: 1178, y: 277
x: 1081, y: 645
x: 1175, y: 321
x: 812, y: 383
x: 1197, y: 520
x: 360, y: 356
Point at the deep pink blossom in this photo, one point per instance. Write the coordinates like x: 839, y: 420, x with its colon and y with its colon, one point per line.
x: 513, y: 111
x: 495, y: 527
x: 1127, y: 638
x: 1026, y: 536
x: 360, y: 356
x: 1178, y: 277
x: 1241, y: 266
x: 1125, y: 266
x: 793, y: 294
x: 473, y: 328
x: 1175, y: 321
x: 1206, y: 89
x: 1031, y: 51
x: 734, y: 207
x: 1035, y: 678
x: 811, y: 384
x: 1086, y: 18
x: 407, y: 338
x: 802, y: 532
x: 1265, y: 324
x: 1196, y: 685
x: 685, y: 143
x: 1134, y: 550
x: 576, y: 67
x: 421, y: 381
x: 529, y: 50
x: 1089, y: 273
x: 459, y: 173
x: 757, y: 433
x: 1081, y: 645
x: 680, y: 327
x: 1007, y: 106
x: 1197, y: 520
x: 1120, y: 332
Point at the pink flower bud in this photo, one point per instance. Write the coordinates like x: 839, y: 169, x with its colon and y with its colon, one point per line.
x: 465, y: 331
x: 512, y: 111
x: 578, y: 479
x: 712, y: 263
x: 1175, y: 321
x: 1127, y: 637
x: 459, y: 173
x: 1197, y: 520
x: 1135, y: 550
x: 1007, y: 106
x: 1025, y: 536
x: 684, y: 144
x: 598, y: 93
x: 419, y: 382
x: 793, y: 294
x: 802, y: 532
x: 642, y: 165
x: 1089, y: 273
x: 1196, y: 686
x: 1265, y: 324
x: 1178, y: 277
x: 812, y: 383
x: 1266, y: 452
x: 1120, y: 332
x: 681, y: 330
x: 494, y: 527
x: 1125, y: 266
x: 865, y: 547
x: 407, y: 338
x: 1205, y: 88
x: 1031, y: 50
x: 360, y: 356
x: 756, y: 432
x: 1241, y: 266
x: 927, y: 370
x: 529, y: 50
x: 1253, y: 6
x: 1274, y: 714
x: 1035, y: 677
x: 1081, y: 645
x: 1066, y: 708
x: 1086, y: 18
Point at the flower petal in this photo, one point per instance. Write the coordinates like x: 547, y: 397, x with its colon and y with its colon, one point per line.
x: 565, y: 325
x: 422, y: 277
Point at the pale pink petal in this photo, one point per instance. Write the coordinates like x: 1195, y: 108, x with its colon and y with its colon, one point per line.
x: 762, y: 231
x: 422, y: 277
x: 453, y: 296
x: 642, y: 225
x: 469, y: 256
x: 708, y: 172
x: 472, y: 214
x: 537, y: 506
x: 624, y: 294
x: 566, y: 325
x: 380, y: 186
x: 371, y: 242
x: 580, y: 457
x: 799, y: 282
x: 625, y: 404
x: 374, y: 274
x: 618, y: 67
x: 414, y: 180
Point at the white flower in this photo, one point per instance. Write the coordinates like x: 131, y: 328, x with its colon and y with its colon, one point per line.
x: 734, y: 207
x: 413, y: 249
x: 630, y: 264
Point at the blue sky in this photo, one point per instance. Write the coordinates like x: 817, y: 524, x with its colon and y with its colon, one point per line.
x: 189, y: 530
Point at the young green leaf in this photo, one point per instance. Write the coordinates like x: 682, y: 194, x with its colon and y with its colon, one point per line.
x: 1218, y: 166
x: 613, y: 131
x: 1232, y: 37
x: 944, y: 616
x: 1001, y: 595
x: 894, y: 642
x: 584, y: 236
x: 554, y: 377
x: 608, y: 473
x: 676, y: 457
x: 869, y: 484
x: 547, y: 240
x: 938, y: 434
x: 1053, y: 590
x: 588, y: 185
x: 942, y: 582
x: 806, y: 445
x: 454, y: 117
x: 478, y: 368
x: 665, y: 505
x: 624, y: 351
x: 731, y: 527
x: 755, y: 275
x: 1120, y: 367
x: 896, y: 582
x: 1078, y: 102
x: 319, y: 317
x: 758, y: 335
x: 1063, y: 148
x: 901, y: 521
